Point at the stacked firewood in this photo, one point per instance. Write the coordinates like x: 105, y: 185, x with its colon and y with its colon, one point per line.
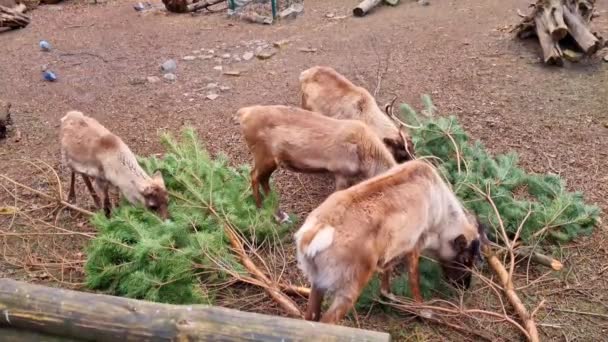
x: 11, y: 15
x: 563, y: 29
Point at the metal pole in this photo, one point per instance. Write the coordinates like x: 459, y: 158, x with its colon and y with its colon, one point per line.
x: 274, y: 8
x: 231, y: 4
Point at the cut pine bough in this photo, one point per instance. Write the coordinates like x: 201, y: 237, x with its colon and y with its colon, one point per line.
x: 563, y: 29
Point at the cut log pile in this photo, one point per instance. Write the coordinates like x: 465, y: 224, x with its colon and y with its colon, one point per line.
x: 13, y: 17
x: 563, y: 29
x: 185, y: 6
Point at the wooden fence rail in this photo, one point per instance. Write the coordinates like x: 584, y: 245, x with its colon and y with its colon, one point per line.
x: 28, y: 311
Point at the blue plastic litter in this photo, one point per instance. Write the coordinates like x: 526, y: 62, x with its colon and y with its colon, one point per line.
x: 45, y: 46
x: 49, y: 76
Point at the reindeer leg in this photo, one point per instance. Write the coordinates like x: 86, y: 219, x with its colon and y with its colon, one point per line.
x: 385, y: 284
x: 315, y: 299
x: 341, y: 182
x: 344, y: 299
x: 94, y: 195
x: 103, y: 187
x: 413, y: 259
x: 261, y: 173
x: 72, y: 193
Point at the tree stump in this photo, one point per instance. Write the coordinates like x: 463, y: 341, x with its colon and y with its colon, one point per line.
x: 556, y: 23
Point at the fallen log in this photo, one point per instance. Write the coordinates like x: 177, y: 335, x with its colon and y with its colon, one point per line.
x: 29, y: 308
x: 13, y: 18
x: 365, y: 6
x: 556, y: 23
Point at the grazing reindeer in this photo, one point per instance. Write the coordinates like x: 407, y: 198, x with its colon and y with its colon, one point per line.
x: 91, y: 150
x: 304, y: 141
x: 326, y: 91
x: 373, y: 226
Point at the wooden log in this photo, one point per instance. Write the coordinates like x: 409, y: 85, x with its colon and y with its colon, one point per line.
x: 203, y: 4
x: 552, y: 15
x: 87, y: 316
x: 16, y: 335
x: 589, y: 43
x: 365, y: 6
x: 552, y: 53
x: 13, y: 18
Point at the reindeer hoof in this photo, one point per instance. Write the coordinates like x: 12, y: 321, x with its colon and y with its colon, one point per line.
x: 281, y: 217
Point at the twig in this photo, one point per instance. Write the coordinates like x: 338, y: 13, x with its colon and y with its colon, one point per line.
x: 509, y: 291
x: 42, y: 194
x: 593, y: 314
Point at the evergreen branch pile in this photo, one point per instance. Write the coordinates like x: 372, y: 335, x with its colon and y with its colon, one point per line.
x: 474, y: 173
x: 180, y: 260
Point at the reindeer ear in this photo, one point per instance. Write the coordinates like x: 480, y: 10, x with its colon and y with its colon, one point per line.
x: 158, y: 177
x: 460, y: 243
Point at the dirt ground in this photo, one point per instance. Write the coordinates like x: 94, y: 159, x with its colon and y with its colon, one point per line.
x: 458, y: 51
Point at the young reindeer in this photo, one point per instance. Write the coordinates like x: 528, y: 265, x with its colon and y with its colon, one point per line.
x: 326, y: 91
x: 91, y: 150
x: 373, y: 226
x: 308, y: 142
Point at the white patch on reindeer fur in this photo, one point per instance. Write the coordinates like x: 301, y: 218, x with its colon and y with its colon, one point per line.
x: 320, y: 242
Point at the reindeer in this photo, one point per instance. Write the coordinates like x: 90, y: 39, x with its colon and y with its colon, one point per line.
x: 326, y: 91
x: 375, y: 225
x: 91, y: 150
x: 308, y: 142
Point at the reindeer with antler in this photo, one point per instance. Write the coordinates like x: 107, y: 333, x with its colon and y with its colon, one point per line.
x: 326, y: 91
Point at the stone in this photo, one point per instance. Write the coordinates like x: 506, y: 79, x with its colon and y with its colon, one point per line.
x: 292, y: 11
x: 218, y: 68
x: 153, y: 79
x: 572, y: 55
x: 211, y: 85
x: 204, y: 57
x: 211, y: 51
x: 280, y: 43
x: 170, y: 77
x: 247, y: 56
x: 226, y: 88
x: 189, y: 58
x: 423, y: 2
x: 212, y: 96
x: 226, y: 56
x: 606, y: 58
x: 266, y: 54
x: 196, y: 52
x: 169, y: 66
x: 137, y: 81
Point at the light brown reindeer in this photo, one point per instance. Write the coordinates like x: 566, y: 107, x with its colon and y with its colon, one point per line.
x: 374, y: 225
x: 326, y: 91
x: 91, y: 150
x: 308, y: 142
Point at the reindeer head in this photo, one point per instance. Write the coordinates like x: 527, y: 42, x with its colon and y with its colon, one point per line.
x: 156, y: 197
x: 401, y: 147
x: 458, y: 269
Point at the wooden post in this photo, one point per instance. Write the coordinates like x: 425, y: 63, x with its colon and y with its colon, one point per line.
x: 77, y: 315
x: 365, y: 6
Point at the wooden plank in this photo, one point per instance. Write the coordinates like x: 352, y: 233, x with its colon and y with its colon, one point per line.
x: 99, y: 317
